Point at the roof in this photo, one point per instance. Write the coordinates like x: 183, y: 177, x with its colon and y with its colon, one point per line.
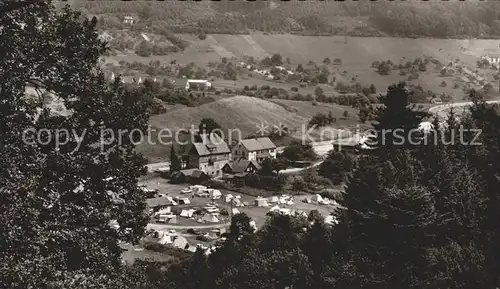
x: 197, y: 80
x: 242, y: 165
x: 256, y: 144
x: 180, y: 83
x: 193, y: 173
x: 157, y: 202
x: 212, y: 145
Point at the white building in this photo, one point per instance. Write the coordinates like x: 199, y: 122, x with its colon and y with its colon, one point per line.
x: 492, y: 58
x: 254, y: 149
x: 128, y: 20
x: 194, y: 84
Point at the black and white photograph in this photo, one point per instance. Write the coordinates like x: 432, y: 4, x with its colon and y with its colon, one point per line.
x: 241, y: 144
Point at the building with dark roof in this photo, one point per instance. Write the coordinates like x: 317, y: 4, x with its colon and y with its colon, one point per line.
x: 241, y: 166
x: 254, y: 149
x: 209, y: 154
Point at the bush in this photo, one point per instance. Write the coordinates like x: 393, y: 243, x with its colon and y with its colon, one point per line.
x: 294, y: 89
x: 298, y: 184
x: 202, y: 36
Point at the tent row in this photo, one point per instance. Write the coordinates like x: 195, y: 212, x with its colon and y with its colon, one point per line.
x: 264, y: 202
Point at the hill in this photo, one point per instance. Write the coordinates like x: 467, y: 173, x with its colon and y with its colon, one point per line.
x: 244, y: 113
x: 241, y: 113
x: 442, y: 19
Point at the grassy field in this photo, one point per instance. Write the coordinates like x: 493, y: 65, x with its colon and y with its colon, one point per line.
x: 356, y: 54
x: 243, y: 114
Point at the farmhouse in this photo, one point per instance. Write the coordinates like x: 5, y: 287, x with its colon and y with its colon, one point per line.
x: 241, y: 166
x: 128, y: 20
x: 492, y: 58
x: 208, y: 154
x: 255, y: 149
x: 193, y: 84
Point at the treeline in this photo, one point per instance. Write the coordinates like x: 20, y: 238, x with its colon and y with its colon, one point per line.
x: 433, y: 19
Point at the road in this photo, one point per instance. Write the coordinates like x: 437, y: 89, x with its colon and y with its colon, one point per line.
x: 441, y: 111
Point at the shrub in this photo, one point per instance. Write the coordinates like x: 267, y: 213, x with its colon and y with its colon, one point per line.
x: 202, y: 36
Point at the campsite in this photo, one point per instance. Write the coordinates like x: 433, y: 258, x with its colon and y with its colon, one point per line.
x: 255, y: 207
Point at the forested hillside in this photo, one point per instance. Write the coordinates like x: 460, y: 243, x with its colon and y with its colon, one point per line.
x: 406, y: 19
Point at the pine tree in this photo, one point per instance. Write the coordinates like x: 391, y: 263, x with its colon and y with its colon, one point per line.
x: 175, y: 163
x: 395, y: 119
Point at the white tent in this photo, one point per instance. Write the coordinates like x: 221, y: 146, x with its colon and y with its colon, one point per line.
x: 317, y: 198
x: 171, y: 200
x: 273, y: 199
x: 325, y: 201
x: 183, y: 200
x: 285, y: 211
x: 215, y: 194
x: 253, y: 225
x: 187, y: 213
x: 164, y: 211
x: 170, y: 218
x: 166, y: 239
x: 198, y: 188
x: 210, y: 218
x: 191, y: 249
x: 229, y: 197
x: 235, y: 211
x: 274, y: 209
x: 290, y: 203
x: 330, y: 220
x: 237, y: 203
x: 180, y: 242
x: 261, y: 202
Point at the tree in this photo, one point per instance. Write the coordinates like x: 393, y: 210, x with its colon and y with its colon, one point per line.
x: 277, y: 59
x: 202, y: 35
x: 396, y: 119
x: 337, y: 166
x: 207, y: 125
x: 384, y: 68
x: 240, y: 226
x: 299, y: 68
x: 331, y: 119
x: 364, y: 114
x: 296, y: 151
x: 175, y: 162
x: 383, y: 200
x: 327, y: 61
x: 345, y: 114
x: 144, y: 49
x: 422, y: 67
x: 318, y: 92
x: 77, y: 186
x: 373, y: 89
